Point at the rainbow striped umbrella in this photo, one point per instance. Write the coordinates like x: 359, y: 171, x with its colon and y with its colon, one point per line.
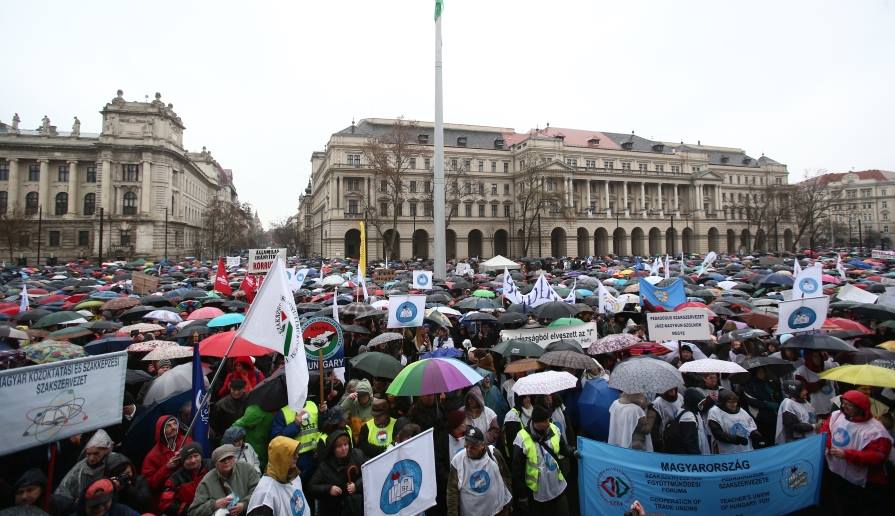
x: 432, y: 376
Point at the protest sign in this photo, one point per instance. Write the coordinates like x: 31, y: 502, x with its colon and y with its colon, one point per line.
x: 584, y: 334
x: 807, y: 283
x: 233, y: 261
x: 49, y: 402
x: 802, y: 314
x: 261, y: 260
x: 882, y: 255
x: 689, y: 324
x: 402, y: 479
x: 406, y: 311
x: 853, y: 293
x: 776, y: 480
x: 323, y: 333
x: 422, y: 280
x: 144, y: 283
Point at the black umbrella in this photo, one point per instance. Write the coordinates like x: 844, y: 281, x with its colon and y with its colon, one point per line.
x: 137, y: 312
x: 874, y: 311
x: 32, y: 316
x: 438, y: 297
x: 510, y: 318
x: 564, y: 345
x: 518, y: 348
x: 155, y: 300
x: 818, y: 341
x: 354, y: 328
x: 271, y: 394
x: 777, y: 366
x: 555, y: 310
x: 568, y: 359
x: 378, y: 364
x: 479, y: 316
x: 868, y: 355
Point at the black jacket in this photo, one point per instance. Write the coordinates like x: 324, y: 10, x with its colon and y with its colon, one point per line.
x: 334, y: 472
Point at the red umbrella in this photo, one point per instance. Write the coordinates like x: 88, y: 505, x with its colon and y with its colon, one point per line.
x: 691, y: 304
x: 650, y: 348
x: 848, y: 325
x: 206, y: 312
x: 37, y: 292
x: 216, y: 345
x: 9, y: 309
x: 51, y: 299
x: 826, y: 278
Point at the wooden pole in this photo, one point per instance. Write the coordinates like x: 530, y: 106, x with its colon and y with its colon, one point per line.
x: 320, y: 369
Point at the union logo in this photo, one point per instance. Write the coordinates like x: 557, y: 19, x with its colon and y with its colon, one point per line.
x: 615, y: 487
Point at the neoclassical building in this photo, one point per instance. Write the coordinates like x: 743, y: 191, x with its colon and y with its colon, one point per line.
x: 135, y: 176
x: 867, y: 196
x: 621, y: 194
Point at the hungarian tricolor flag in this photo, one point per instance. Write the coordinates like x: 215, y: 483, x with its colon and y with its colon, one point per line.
x: 220, y: 281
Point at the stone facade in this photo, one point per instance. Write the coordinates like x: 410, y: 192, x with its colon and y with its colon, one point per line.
x: 135, y: 172
x: 867, y: 196
x: 622, y: 194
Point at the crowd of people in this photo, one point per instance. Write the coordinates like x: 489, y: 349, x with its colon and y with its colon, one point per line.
x: 268, y: 458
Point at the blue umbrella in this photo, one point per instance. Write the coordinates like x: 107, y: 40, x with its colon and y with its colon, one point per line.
x: 226, y: 320
x: 593, y: 408
x: 777, y: 279
x: 583, y: 292
x: 443, y: 353
x: 104, y: 294
x: 107, y: 345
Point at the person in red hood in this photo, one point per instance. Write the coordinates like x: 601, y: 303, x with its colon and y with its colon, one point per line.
x: 857, y: 449
x: 242, y: 368
x: 164, y: 458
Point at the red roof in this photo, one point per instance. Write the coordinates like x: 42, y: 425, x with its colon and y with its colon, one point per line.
x: 865, y: 175
x: 571, y: 137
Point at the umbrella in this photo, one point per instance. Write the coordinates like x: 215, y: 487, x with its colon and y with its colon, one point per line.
x: 565, y: 321
x: 777, y: 280
x: 216, y: 346
x: 568, y: 360
x: 510, y: 318
x: 57, y: 318
x: 356, y: 309
x: 378, y: 364
x: 523, y: 366
x: 136, y: 376
x: 354, y: 328
x: 88, y: 304
x: 564, y: 345
x: 438, y: 317
x: 614, y: 342
x: 149, y: 345
x: 555, y: 310
x: 446, y: 310
x: 643, y: 375
x: 333, y: 280
x: 384, y: 338
x: 164, y: 316
x: 169, y: 352
x: 12, y: 333
x: 488, y: 294
x: 742, y: 334
x: 72, y: 332
x: 777, y: 366
x: 271, y: 393
x: 443, y: 353
x: 818, y: 341
x: 593, y: 408
x: 433, y: 376
x: 874, y: 311
x: 32, y: 316
x: 226, y: 320
x: 866, y: 374
x: 711, y: 365
x: 648, y: 348
x: 206, y: 312
x: 139, y: 327
x: 546, y: 382
x: 107, y: 345
x: 438, y: 297
x: 518, y: 348
x: 475, y: 303
x: 175, y: 381
x: 479, y: 316
x: 120, y: 303
x: 47, y: 351
x: 850, y: 326
x: 136, y: 312
x: 867, y: 355
x: 889, y: 345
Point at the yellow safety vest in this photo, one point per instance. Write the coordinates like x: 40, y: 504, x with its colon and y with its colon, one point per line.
x: 532, y: 471
x: 373, y: 432
x: 307, y: 433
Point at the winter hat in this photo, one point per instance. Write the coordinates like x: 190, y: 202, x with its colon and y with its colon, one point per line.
x: 231, y: 434
x: 539, y: 414
x: 99, y: 492
x: 31, y: 477
x: 163, y: 363
x: 190, y: 449
x: 100, y: 440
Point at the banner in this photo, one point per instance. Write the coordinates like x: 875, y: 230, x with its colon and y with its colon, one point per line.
x: 144, y: 283
x: 422, y: 280
x: 326, y: 334
x: 882, y: 255
x: 541, y: 293
x: 362, y: 261
x: 401, y: 480
x: 776, y: 480
x: 261, y: 260
x: 509, y: 290
x: 689, y: 324
x: 664, y: 297
x: 802, y: 314
x: 233, y: 261
x: 808, y: 283
x: 406, y: 311
x: 50, y: 402
x: 853, y: 293
x: 584, y: 334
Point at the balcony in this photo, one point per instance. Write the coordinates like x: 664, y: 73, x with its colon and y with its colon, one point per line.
x: 353, y: 215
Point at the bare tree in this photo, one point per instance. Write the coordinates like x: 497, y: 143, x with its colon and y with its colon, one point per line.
x: 811, y: 203
x: 765, y: 207
x: 535, y: 198
x: 14, y: 224
x: 227, y: 226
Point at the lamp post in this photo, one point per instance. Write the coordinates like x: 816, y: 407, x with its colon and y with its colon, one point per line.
x: 40, y: 220
x: 101, y: 210
x: 166, y: 234
x: 673, y: 237
x: 860, y: 237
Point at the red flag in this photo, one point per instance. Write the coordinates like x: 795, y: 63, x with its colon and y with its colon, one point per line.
x: 249, y: 286
x: 220, y: 281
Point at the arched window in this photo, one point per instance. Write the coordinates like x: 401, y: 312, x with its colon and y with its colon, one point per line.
x: 31, y: 203
x: 130, y: 203
x: 61, y: 203
x: 89, y: 204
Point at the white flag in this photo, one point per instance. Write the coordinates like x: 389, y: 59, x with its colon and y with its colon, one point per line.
x: 401, y: 480
x: 807, y: 283
x: 570, y: 299
x: 802, y: 314
x: 607, y: 302
x: 707, y: 262
x: 23, y: 301
x: 422, y: 280
x: 853, y: 293
x: 667, y: 266
x: 363, y: 286
x: 654, y: 267
x: 839, y: 268
x: 509, y: 290
x: 272, y: 322
x: 296, y: 278
x: 336, y: 305
x: 541, y: 293
x: 406, y: 311
x: 796, y: 268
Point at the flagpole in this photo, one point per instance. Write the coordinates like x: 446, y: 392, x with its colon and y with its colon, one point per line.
x: 440, y: 268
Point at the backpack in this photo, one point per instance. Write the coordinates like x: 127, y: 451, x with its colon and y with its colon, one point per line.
x: 671, y: 435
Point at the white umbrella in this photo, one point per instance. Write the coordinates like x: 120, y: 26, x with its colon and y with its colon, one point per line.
x: 164, y: 316
x: 79, y: 320
x: 333, y: 280
x: 727, y: 284
x: 546, y: 382
x: 627, y: 298
x: 644, y: 375
x: 446, y: 310
x: 711, y: 365
x: 176, y: 380
x: 380, y: 305
x: 169, y: 352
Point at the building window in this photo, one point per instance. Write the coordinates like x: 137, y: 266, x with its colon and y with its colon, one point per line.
x: 493, y: 188
x: 91, y: 173
x: 885, y: 216
x: 590, y: 164
x: 660, y: 167
x: 124, y: 237
x: 506, y: 210
x: 427, y: 163
x: 467, y: 164
x: 866, y: 192
x: 642, y: 167
x: 383, y: 209
x: 413, y: 187
x: 61, y: 203
x: 481, y: 210
x: 885, y: 229
x: 468, y: 210
x: 83, y: 238
x: 352, y: 206
x: 31, y: 203
x: 383, y: 186
x: 493, y: 166
x: 63, y: 174
x: 129, y: 204
x: 506, y: 167
x: 4, y: 201
x: 626, y: 165
x: 572, y: 162
x: 130, y: 172
x: 494, y: 210
x: 506, y: 189
x: 413, y: 209
x: 676, y: 169
x: 427, y: 209
x: 609, y: 164
x: 694, y: 168
x: 34, y: 172
x: 551, y: 185
x: 427, y: 187
x: 54, y: 239
x: 399, y: 209
x: 454, y: 164
x: 885, y: 204
x: 4, y: 171
x: 413, y: 163
x: 354, y: 160
x: 851, y: 194
x: 481, y: 166
x: 882, y: 192
x: 521, y: 164
x: 89, y: 204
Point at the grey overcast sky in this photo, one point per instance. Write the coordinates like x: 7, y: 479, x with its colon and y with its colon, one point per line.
x: 263, y: 84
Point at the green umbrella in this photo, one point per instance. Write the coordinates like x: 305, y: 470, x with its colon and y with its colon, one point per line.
x: 484, y: 293
x: 57, y: 318
x: 70, y: 332
x: 47, y: 351
x: 565, y: 321
x: 93, y: 303
x: 377, y: 364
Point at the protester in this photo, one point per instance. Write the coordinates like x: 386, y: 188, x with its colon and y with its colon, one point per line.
x: 480, y: 416
x: 164, y: 459
x: 231, y: 407
x: 88, y: 470
x: 180, y: 488
x: 733, y: 429
x: 796, y: 418
x: 686, y: 431
x: 631, y: 422
x: 131, y: 489
x: 477, y: 484
x: 538, y: 483
x: 377, y: 433
x: 99, y: 499
x: 236, y: 436
x: 229, y: 485
x: 337, y: 483
x: 280, y: 489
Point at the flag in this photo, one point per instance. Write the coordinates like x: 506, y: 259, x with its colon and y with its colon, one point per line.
x: 662, y: 297
x: 839, y: 268
x: 23, y: 300
x: 272, y: 322
x: 336, y: 305
x: 439, y: 6
x: 221, y: 283
x: 401, y: 480
x: 509, y: 290
x: 296, y: 278
x: 406, y: 311
x: 802, y: 314
x: 667, y: 266
x: 796, y: 268
x: 541, y: 293
x: 422, y: 280
x: 570, y: 299
x: 200, y: 405
x: 362, y: 260
x: 654, y: 267
x: 707, y: 262
x: 855, y: 294
x: 607, y: 302
x: 638, y: 264
x: 807, y: 283
x: 248, y: 286
x: 363, y: 285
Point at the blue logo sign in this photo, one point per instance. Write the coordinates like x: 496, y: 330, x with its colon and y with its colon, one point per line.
x: 406, y: 312
x: 549, y: 462
x: 401, y: 486
x: 841, y: 438
x: 808, y: 285
x: 298, y: 503
x: 802, y: 317
x: 796, y: 478
x: 739, y: 430
x: 422, y: 279
x: 480, y: 481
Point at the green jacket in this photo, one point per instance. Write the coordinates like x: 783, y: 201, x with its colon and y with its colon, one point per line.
x: 242, y: 483
x: 256, y: 423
